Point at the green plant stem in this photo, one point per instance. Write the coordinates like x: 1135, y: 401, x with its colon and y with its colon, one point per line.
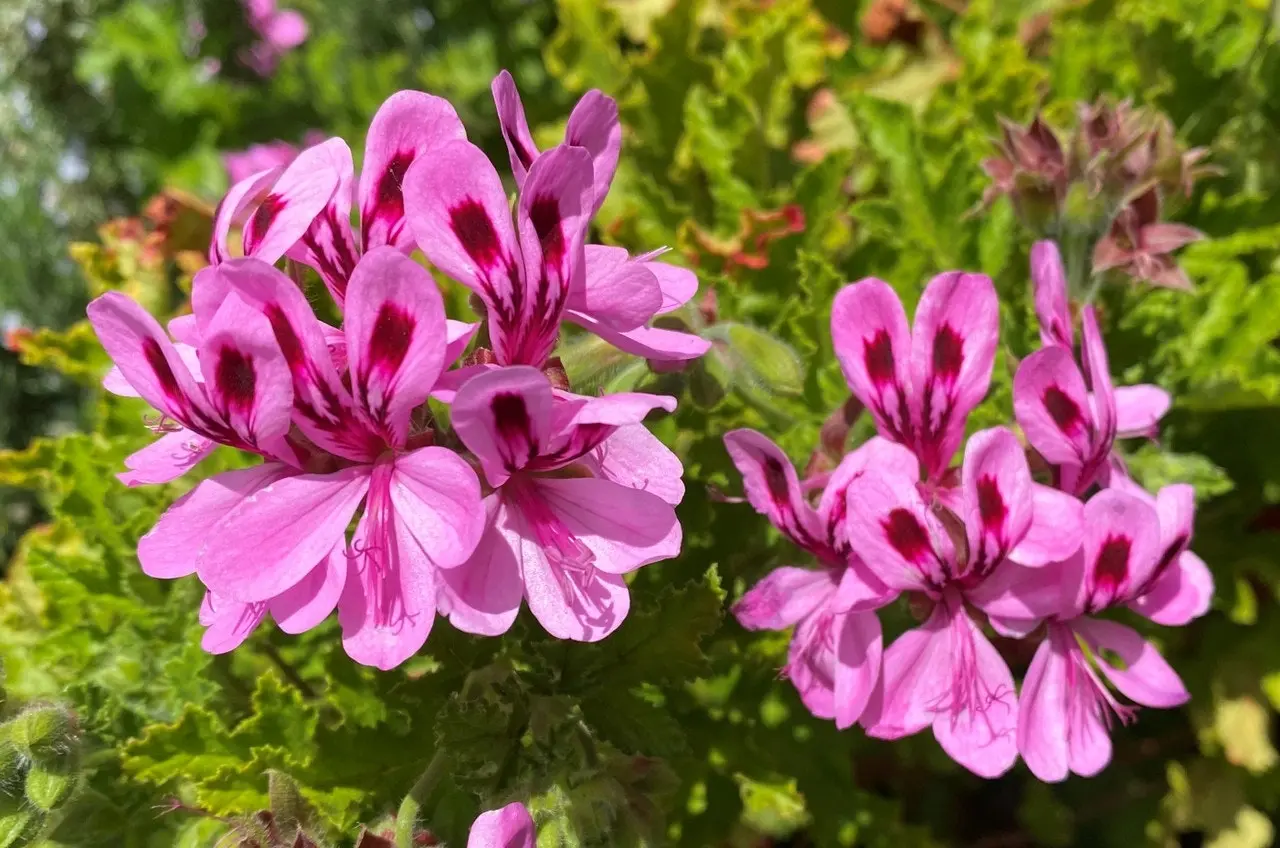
x: 411, y: 806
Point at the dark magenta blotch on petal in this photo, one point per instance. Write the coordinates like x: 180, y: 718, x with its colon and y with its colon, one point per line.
x: 775, y: 477
x: 907, y: 535
x: 511, y: 418
x: 544, y: 212
x: 389, y: 192
x: 236, y: 379
x: 389, y: 342
x: 155, y: 358
x: 948, y: 353
x: 991, y: 505
x: 265, y: 215
x: 290, y: 344
x: 1113, y: 565
x: 1062, y: 409
x: 878, y: 353
x: 470, y: 223
x: 1175, y: 549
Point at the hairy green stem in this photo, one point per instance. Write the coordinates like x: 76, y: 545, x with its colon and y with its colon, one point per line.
x: 411, y: 806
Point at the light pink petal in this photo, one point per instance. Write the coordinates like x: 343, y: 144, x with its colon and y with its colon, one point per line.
x: 1121, y: 548
x: 482, y: 596
x: 1097, y: 377
x: 811, y: 663
x: 894, y: 533
x: 395, y: 330
x: 783, y: 597
x: 1146, y: 678
x: 624, y: 528
x: 458, y: 335
x: 503, y: 416
x: 1181, y: 592
x: 1021, y: 597
x: 1057, y: 527
x: 876, y: 455
x: 171, y: 547
x: 873, y: 344
x: 460, y: 218
x: 997, y: 497
x: 515, y: 129
x: 860, y: 589
x: 1139, y: 410
x: 917, y: 673
x: 772, y: 488
x: 228, y: 623
x: 114, y: 381
x: 859, y: 650
x: 408, y: 126
x: 953, y: 349
x: 309, y: 602
x: 329, y: 245
x: 678, y: 285
x: 623, y: 294
x: 1043, y: 737
x: 593, y: 125
x: 437, y: 498
x: 285, y: 29
x: 978, y: 726
x: 270, y: 541
x: 552, y: 215
x: 1050, y: 282
x: 634, y: 457
x: 653, y: 343
x: 509, y: 827
x: 245, y: 193
x: 297, y: 198
x: 165, y: 459
x: 184, y: 330
x: 1052, y: 406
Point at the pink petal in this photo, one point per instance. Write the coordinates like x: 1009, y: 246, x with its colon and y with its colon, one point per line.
x: 652, y: 343
x: 634, y: 457
x: 458, y: 336
x: 953, y: 349
x: 783, y: 597
x: 165, y: 459
x: 678, y: 285
x: 437, y: 498
x: 446, y: 388
x: 872, y: 342
x: 515, y: 129
x: 228, y: 622
x: 503, y: 417
x: 1166, y: 238
x: 1097, y: 375
x: 623, y: 294
x: 772, y: 487
x: 270, y: 541
x: 1057, y: 527
x: 593, y: 125
x: 811, y: 663
x: 482, y: 596
x: 1049, y: 280
x: 408, y: 126
x: 997, y: 497
x: 184, y: 330
x: 1052, y: 407
x: 1183, y: 591
x: 509, y: 827
x: 876, y: 455
x: 243, y: 194
x: 285, y: 30
x: 859, y: 650
x: 1121, y: 548
x: 1043, y: 736
x: 296, y: 199
x: 309, y: 602
x: 892, y: 530
x: 917, y: 672
x: 1146, y: 677
x: 115, y: 382
x: 395, y: 330
x: 1021, y: 597
x: 624, y: 528
x: 329, y: 245
x: 170, y: 548
x: 1139, y: 410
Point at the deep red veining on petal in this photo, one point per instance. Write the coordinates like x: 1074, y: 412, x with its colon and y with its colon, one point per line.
x: 1171, y: 553
x: 290, y: 344
x: 470, y: 223
x: 878, y: 354
x: 1112, y: 569
x: 389, y: 341
x: 907, y: 535
x: 544, y: 212
x: 235, y: 378
x: 168, y: 382
x: 948, y: 353
x: 388, y: 205
x: 1062, y: 409
x: 522, y: 153
x: 991, y: 506
x: 775, y: 478
x: 511, y: 418
x: 263, y: 217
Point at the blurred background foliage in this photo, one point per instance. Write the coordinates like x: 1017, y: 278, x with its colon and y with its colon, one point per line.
x: 782, y: 148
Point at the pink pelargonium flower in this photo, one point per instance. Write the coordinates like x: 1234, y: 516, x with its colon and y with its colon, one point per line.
x: 281, y: 30
x: 582, y: 494
x: 1134, y: 555
x: 920, y: 384
x: 421, y: 503
x: 509, y: 827
x: 241, y: 164
x: 835, y: 653
x: 946, y: 673
x: 304, y: 211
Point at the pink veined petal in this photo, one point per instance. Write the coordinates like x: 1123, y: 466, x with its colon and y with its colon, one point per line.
x: 1056, y: 530
x: 1181, y: 592
x: 582, y: 424
x: 811, y: 662
x: 459, y: 216
x: 623, y: 528
x: 873, y: 343
x: 953, y: 349
x: 309, y: 602
x: 1043, y: 738
x: 624, y: 294
x: 653, y: 343
x: 877, y: 455
x: 976, y: 722
x: 997, y: 497
x: 297, y: 198
x: 509, y: 827
x: 395, y: 331
x: 1022, y: 597
x: 859, y: 651
x: 1049, y: 280
x: 1052, y: 407
x: 515, y: 129
x: 632, y: 456
x: 917, y: 670
x: 593, y: 125
x: 860, y: 589
x: 209, y: 287
x: 482, y: 596
x: 458, y: 336
x: 1176, y: 508
x: 1097, y: 376
x: 238, y: 198
x: 328, y: 245
x: 446, y: 388
x: 1146, y: 678
x: 551, y: 216
x: 783, y: 597
x: 678, y: 285
x: 165, y: 459
x: 228, y: 623
x: 272, y: 539
x: 1139, y: 410
x: 772, y: 488
x: 408, y: 126
x: 437, y: 498
x: 1121, y: 549
x: 892, y: 530
x: 170, y: 548
x: 503, y: 416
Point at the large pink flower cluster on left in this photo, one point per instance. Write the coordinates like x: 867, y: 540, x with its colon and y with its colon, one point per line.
x: 530, y: 494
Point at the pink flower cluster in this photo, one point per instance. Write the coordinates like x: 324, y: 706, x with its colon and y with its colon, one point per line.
x: 984, y: 545
x: 527, y: 493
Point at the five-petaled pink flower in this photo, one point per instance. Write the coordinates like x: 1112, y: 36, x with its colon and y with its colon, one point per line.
x: 920, y: 383
x: 509, y: 827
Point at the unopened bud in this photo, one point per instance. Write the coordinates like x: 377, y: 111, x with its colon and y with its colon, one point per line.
x: 18, y: 830
x: 45, y: 734
x: 48, y: 790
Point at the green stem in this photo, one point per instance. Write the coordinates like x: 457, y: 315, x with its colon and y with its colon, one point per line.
x: 411, y: 806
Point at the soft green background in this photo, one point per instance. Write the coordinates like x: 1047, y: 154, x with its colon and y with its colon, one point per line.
x: 677, y: 730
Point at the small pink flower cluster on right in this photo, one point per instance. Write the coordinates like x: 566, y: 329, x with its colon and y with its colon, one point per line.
x: 985, y: 544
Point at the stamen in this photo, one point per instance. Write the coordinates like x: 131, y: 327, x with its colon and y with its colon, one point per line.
x: 968, y: 694
x: 571, y: 561
x: 378, y: 552
x: 160, y: 424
